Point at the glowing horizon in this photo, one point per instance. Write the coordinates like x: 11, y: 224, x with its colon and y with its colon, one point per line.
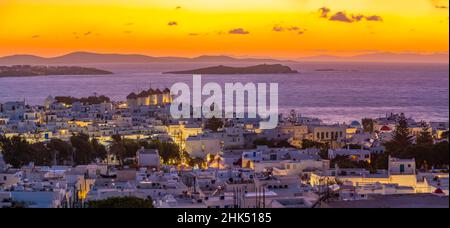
x: 266, y: 28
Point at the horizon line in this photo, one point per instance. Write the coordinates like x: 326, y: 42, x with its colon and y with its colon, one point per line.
x: 236, y: 56
x: 307, y: 58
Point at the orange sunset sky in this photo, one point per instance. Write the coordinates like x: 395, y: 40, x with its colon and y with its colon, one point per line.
x: 265, y: 28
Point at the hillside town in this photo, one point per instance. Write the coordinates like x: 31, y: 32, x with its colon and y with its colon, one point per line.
x: 87, y: 152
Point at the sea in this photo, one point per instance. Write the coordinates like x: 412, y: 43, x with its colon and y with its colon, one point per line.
x: 334, y: 92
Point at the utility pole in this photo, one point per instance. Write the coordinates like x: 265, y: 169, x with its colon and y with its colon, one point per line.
x: 264, y: 197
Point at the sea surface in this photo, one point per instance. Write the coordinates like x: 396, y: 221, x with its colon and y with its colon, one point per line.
x: 335, y: 92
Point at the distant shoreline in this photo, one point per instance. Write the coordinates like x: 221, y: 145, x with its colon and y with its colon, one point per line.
x: 99, y: 58
x: 257, y: 69
x: 36, y: 71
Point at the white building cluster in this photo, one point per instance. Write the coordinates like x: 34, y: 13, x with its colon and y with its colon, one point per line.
x: 244, y: 166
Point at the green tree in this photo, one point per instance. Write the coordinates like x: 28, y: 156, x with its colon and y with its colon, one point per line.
x: 40, y: 155
x: 61, y: 150
x: 445, y: 135
x: 323, y: 147
x: 193, y: 161
x: 306, y: 144
x: 421, y: 153
x: 263, y: 142
x: 424, y: 137
x: 168, y: 150
x: 15, y: 150
x: 429, y: 155
x: 402, y: 138
x: 368, y: 125
x: 346, y: 163
x: 87, y: 100
x: 440, y: 155
x: 352, y: 146
x: 378, y: 161
x: 131, y: 146
x: 271, y: 143
x: 214, y: 124
x: 83, y: 151
x: 100, y: 151
x: 126, y: 148
x: 18, y: 152
x: 122, y: 202
x: 117, y: 148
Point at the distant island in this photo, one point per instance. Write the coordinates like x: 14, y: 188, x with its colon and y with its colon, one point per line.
x: 382, y: 57
x: 89, y: 58
x: 78, y: 58
x: 326, y: 69
x: 258, y: 69
x: 27, y: 70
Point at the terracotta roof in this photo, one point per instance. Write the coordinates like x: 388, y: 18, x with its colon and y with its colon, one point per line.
x: 385, y: 128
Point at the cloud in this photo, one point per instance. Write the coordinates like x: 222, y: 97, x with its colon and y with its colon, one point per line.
x: 193, y: 34
x: 128, y: 32
x: 172, y: 23
x: 129, y: 24
x: 342, y: 17
x: 87, y: 33
x: 238, y: 31
x: 279, y: 28
x: 178, y: 8
x: 324, y: 12
x: 374, y: 18
x: 441, y: 7
x: 358, y: 17
x: 440, y: 4
x: 35, y: 36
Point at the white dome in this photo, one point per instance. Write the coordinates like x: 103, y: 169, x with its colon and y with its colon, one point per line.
x: 355, y: 123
